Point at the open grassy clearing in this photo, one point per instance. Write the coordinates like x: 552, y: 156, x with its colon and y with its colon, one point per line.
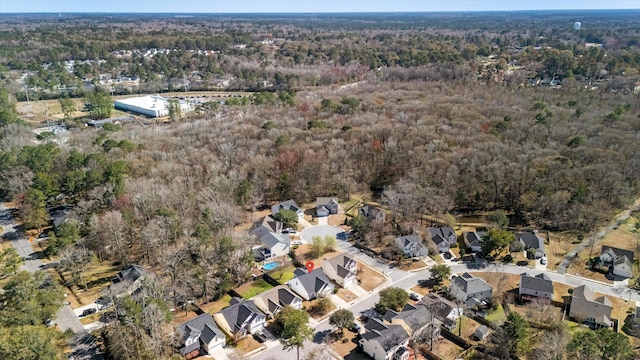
x: 283, y: 274
x: 251, y: 289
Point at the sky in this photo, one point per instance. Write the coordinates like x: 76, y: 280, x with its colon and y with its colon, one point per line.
x: 260, y: 6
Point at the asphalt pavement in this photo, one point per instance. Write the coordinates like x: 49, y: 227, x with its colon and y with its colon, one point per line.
x: 82, y: 343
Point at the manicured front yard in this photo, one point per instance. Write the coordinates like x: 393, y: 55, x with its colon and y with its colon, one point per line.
x: 249, y: 290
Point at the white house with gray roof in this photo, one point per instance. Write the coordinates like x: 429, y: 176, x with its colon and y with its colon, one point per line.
x: 470, y: 290
x: 443, y: 237
x: 272, y: 246
x: 326, y: 206
x: 311, y: 285
x: 287, y: 205
x: 384, y: 341
x: 274, y: 300
x: 586, y: 307
x: 539, y: 286
x: 342, y: 269
x: 619, y: 260
x: 412, y: 246
x: 240, y: 318
x: 201, y: 336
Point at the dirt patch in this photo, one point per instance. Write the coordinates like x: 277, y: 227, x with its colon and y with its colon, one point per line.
x: 346, y: 295
x: 310, y: 307
x: 247, y: 344
x: 337, y: 220
x: 369, y: 278
x: 251, y: 218
x: 446, y: 349
x: 181, y: 316
x: 215, y: 306
x: 408, y: 265
x: 559, y: 245
x: 303, y: 253
x: 502, y: 283
x: 347, y: 344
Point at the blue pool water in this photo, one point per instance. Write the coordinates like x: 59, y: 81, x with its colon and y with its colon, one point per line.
x: 271, y: 265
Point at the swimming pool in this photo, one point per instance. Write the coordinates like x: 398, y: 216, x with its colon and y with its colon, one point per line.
x: 271, y: 265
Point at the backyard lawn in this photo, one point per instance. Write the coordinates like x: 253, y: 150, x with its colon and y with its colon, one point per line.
x: 283, y: 274
x: 249, y: 290
x: 215, y: 306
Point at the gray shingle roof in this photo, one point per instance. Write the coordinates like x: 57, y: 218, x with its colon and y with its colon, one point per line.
x: 410, y: 239
x: 314, y: 281
x: 271, y: 239
x: 204, y: 326
x: 240, y: 313
x: 340, y: 264
x: 470, y: 284
x: 530, y: 240
x: 540, y: 282
x: 619, y: 253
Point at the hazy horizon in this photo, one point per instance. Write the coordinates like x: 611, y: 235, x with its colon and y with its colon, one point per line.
x: 281, y: 6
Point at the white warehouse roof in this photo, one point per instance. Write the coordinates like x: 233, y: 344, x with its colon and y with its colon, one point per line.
x: 150, y: 105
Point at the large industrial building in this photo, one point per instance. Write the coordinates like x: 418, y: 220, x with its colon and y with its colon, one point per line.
x: 151, y: 105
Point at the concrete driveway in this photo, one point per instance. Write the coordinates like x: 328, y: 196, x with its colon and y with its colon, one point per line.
x: 320, y: 230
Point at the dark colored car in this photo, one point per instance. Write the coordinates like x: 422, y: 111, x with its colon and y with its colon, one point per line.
x: 89, y: 311
x: 260, y: 337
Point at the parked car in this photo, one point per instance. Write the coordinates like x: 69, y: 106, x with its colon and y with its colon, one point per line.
x: 260, y: 337
x: 88, y: 312
x: 543, y: 261
x: 414, y: 296
x: 289, y: 231
x: 296, y: 242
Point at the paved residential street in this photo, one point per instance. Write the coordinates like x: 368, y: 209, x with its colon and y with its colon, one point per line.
x: 82, y: 343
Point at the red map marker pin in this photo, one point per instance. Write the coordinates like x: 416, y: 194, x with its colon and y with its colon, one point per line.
x: 309, y: 265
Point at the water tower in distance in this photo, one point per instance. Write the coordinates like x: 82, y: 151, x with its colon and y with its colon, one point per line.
x: 577, y: 25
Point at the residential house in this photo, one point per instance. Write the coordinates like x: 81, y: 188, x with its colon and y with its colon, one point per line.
x: 539, y: 286
x: 473, y: 240
x: 384, y: 341
x: 586, y: 307
x: 240, y: 318
x: 267, y: 225
x: 311, y: 285
x: 326, y: 206
x: 342, y: 269
x: 412, y: 246
x: 272, y: 246
x: 415, y: 319
x: 128, y: 281
x: 61, y: 215
x: 272, y: 301
x: 372, y: 213
x: 531, y: 240
x: 444, y: 310
x: 201, y: 336
x: 470, y: 290
x: 481, y: 332
x: 287, y: 205
x: 620, y: 261
x: 443, y: 237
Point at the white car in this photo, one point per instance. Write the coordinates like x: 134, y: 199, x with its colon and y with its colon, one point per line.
x: 296, y: 242
x: 543, y: 261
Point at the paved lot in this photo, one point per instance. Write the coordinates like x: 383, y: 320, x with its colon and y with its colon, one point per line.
x: 320, y: 230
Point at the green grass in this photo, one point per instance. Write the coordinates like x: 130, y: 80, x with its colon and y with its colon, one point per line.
x: 497, y: 316
x: 283, y: 275
x: 256, y: 287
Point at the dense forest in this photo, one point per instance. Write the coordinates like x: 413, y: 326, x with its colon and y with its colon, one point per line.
x: 426, y: 114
